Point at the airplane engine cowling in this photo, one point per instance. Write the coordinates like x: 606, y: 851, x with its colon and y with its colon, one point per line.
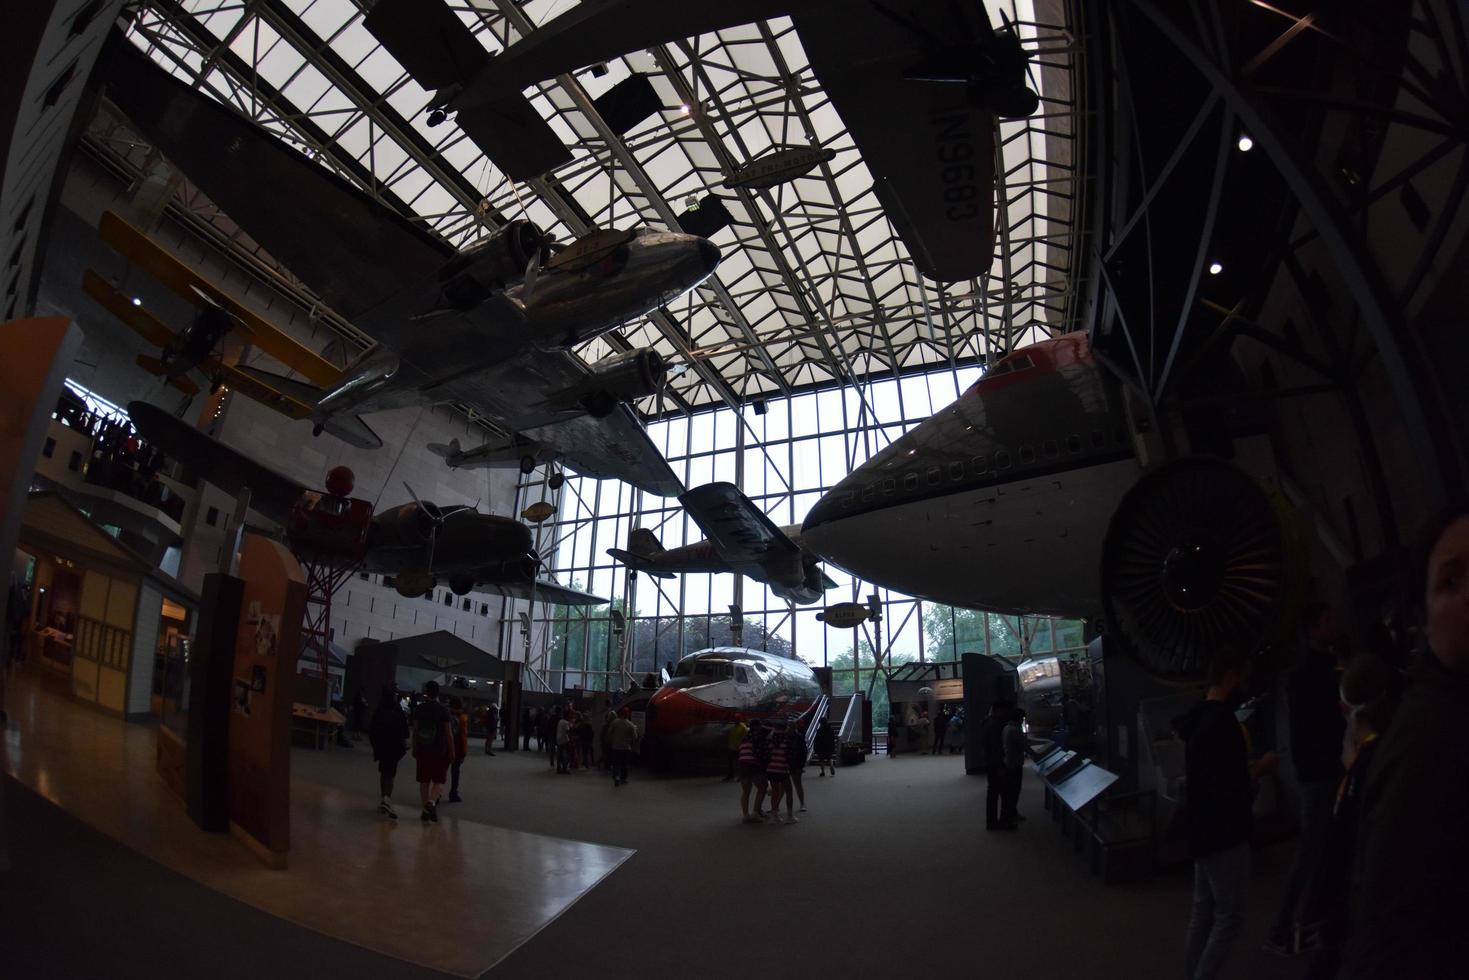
x: 623, y: 377
x: 490, y: 264
x: 405, y: 526
x: 1199, y: 562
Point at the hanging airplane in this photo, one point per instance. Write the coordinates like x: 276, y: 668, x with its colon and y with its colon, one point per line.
x: 710, y: 689
x: 918, y: 84
x: 999, y: 501
x: 490, y: 327
x: 741, y: 539
x: 1027, y: 496
x: 418, y: 543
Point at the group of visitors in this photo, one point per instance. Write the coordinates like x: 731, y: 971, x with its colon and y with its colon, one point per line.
x: 438, y: 734
x: 772, y: 759
x: 573, y: 740
x: 1005, y: 749
x: 1378, y: 885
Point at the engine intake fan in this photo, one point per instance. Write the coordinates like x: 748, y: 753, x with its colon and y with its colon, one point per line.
x: 1196, y: 563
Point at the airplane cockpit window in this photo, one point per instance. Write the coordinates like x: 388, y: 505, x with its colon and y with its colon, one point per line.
x: 684, y: 669
x: 742, y: 676
x: 1008, y: 365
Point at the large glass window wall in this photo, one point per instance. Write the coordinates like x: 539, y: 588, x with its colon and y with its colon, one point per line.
x: 783, y: 458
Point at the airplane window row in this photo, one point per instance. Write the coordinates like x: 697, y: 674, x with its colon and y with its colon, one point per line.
x: 1050, y: 449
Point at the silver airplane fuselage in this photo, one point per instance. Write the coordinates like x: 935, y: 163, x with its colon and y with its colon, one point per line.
x: 999, y: 501
x: 453, y: 350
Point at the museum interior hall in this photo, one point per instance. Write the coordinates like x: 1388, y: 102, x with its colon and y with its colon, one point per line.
x: 961, y: 486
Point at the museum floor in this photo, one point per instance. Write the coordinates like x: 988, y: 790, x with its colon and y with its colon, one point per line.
x: 885, y: 875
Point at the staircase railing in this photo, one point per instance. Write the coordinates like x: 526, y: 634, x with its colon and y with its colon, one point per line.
x: 851, y: 727
x: 812, y: 719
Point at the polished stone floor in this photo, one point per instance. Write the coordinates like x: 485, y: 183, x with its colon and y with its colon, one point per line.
x: 388, y: 887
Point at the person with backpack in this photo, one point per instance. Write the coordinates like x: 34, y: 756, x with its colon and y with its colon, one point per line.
x: 459, y: 725
x: 564, y: 743
x: 388, y: 736
x: 433, y: 749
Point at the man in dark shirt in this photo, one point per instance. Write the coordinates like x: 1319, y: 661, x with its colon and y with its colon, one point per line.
x: 1316, y: 730
x: 1218, y: 779
x: 996, y: 777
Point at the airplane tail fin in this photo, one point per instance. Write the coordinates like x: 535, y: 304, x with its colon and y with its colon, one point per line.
x: 353, y: 431
x: 644, y: 543
x: 445, y: 451
x: 301, y: 391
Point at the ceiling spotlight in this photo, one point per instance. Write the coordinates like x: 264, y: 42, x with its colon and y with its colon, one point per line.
x: 684, y: 108
x: 137, y: 301
x: 1215, y: 268
x: 1245, y: 144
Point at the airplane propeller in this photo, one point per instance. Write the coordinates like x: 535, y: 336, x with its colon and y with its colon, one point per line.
x: 435, y: 515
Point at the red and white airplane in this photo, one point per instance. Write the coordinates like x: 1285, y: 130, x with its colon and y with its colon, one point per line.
x: 1001, y: 500
x: 713, y: 687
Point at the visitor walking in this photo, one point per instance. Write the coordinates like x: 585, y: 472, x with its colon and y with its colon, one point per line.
x: 1218, y: 779
x: 732, y: 740
x: 492, y: 727
x: 459, y: 725
x: 753, y: 754
x: 388, y: 736
x: 564, y: 759
x: 825, y: 746
x: 940, y: 730
x: 550, y: 722
x: 622, y: 737
x: 585, y: 738
x: 433, y: 749
x: 1408, y: 902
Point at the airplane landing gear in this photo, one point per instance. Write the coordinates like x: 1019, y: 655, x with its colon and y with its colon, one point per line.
x: 527, y: 463
x: 316, y: 429
x: 556, y: 480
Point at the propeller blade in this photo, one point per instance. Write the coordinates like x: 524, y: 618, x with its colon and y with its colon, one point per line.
x: 532, y: 271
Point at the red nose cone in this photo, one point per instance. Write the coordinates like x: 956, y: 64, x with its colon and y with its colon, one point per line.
x: 340, y: 481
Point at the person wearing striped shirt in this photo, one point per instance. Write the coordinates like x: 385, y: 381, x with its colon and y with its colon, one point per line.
x: 778, y: 772
x: 754, y: 751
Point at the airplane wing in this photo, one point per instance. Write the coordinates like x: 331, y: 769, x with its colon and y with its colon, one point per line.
x: 515, y: 390
x: 120, y: 305
x: 612, y: 448
x: 351, y: 250
x: 543, y: 591
x: 271, y: 493
x: 439, y: 52
x: 163, y: 266
x: 931, y: 153
x: 740, y: 530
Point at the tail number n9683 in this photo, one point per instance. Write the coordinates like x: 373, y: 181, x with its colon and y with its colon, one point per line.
x: 958, y: 176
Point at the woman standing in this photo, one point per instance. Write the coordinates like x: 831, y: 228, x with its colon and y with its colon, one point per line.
x: 1410, y: 889
x: 388, y: 735
x: 753, y: 752
x: 796, y: 757
x: 778, y: 772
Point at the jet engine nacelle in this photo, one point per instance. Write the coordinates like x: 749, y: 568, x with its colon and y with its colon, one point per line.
x: 521, y: 568
x: 490, y: 264
x: 620, y: 378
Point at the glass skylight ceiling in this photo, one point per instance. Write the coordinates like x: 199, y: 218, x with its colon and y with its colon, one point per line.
x: 815, y: 289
